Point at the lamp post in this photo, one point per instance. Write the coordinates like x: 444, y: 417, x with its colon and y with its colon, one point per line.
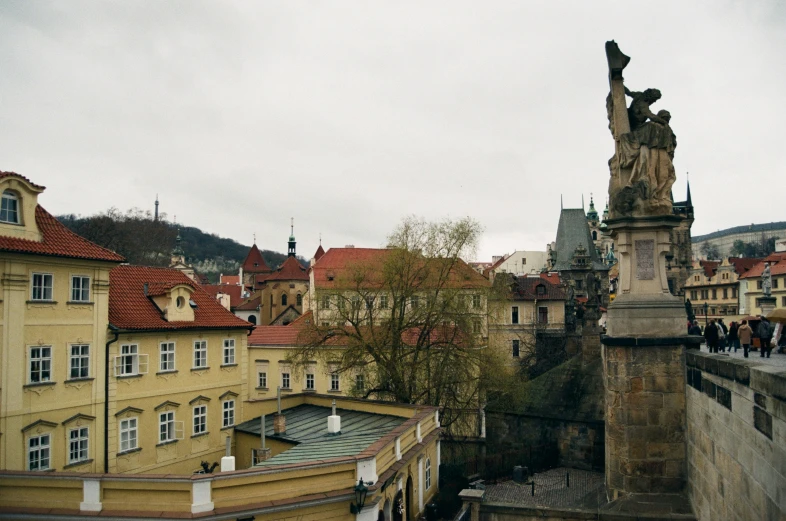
x: 361, y: 491
x: 705, y: 314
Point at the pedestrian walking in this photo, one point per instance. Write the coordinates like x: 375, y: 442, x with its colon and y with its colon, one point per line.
x: 733, y: 339
x: 745, y: 335
x: 723, y: 330
x: 765, y: 336
x: 712, y: 335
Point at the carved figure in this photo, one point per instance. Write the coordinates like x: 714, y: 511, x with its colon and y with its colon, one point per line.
x: 766, y: 281
x: 642, y: 169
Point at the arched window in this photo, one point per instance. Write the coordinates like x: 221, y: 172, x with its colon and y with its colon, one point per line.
x: 9, y: 209
x: 594, y: 236
x: 299, y: 300
x: 428, y: 473
x: 252, y: 319
x: 283, y: 299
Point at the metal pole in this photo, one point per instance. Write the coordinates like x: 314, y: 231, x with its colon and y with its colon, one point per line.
x: 334, y: 407
x: 229, y: 446
x: 262, y: 430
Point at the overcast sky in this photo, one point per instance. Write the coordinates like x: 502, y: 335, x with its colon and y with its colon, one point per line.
x: 349, y: 116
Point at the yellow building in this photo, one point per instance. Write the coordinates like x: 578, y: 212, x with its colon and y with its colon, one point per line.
x: 314, y: 467
x: 177, y: 362
x: 716, y: 284
x: 55, y: 303
x: 751, y: 284
x: 527, y: 310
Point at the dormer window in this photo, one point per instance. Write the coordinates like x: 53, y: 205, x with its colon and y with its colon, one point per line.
x: 9, y: 208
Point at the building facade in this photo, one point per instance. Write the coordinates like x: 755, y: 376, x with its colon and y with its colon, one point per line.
x: 716, y: 284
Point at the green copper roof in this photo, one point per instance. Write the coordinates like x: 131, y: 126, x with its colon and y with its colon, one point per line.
x: 307, y: 430
x: 573, y: 231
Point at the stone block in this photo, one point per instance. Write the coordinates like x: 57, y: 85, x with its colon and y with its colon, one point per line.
x: 643, y: 400
x: 674, y: 401
x: 723, y: 396
x: 637, y: 417
x: 726, y: 369
x: 760, y: 400
x: 742, y: 374
x: 708, y: 387
x: 762, y: 421
x: 636, y: 384
x: 711, y: 365
x: 664, y: 384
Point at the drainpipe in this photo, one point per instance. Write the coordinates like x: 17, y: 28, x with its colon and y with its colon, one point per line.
x: 106, y: 397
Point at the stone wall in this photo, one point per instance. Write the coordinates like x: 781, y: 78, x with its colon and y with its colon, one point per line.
x: 736, y: 414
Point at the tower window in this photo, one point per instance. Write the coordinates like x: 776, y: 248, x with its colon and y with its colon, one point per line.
x: 284, y: 299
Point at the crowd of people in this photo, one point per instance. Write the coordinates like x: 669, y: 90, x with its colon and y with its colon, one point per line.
x: 720, y: 337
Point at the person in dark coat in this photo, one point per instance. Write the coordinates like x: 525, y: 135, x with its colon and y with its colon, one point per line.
x: 734, y: 339
x: 695, y: 328
x: 765, y: 336
x: 722, y: 334
x: 712, y: 336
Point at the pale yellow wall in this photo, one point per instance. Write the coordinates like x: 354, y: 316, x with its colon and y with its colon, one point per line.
x: 27, y: 195
x: 749, y: 288
x: 59, y: 324
x: 181, y: 386
x: 271, y: 298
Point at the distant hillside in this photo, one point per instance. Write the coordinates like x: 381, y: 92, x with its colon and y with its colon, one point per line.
x: 141, y: 240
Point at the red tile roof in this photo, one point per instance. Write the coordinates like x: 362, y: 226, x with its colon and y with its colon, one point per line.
x: 526, y: 288
x: 281, y: 335
x: 129, y: 308
x: 319, y: 253
x: 552, y: 277
x: 495, y: 265
x: 709, y: 267
x: 290, y: 270
x: 743, y: 264
x: 14, y: 174
x: 341, y: 262
x: 777, y: 266
x: 58, y: 241
x: 254, y: 262
x: 229, y: 279
x: 235, y: 292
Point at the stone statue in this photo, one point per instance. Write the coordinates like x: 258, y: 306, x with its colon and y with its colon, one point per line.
x: 766, y: 281
x: 642, y: 169
x: 593, y: 288
x: 689, y: 310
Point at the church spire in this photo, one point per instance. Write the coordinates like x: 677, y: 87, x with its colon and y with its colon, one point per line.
x: 156, y: 218
x: 292, y: 243
x: 689, y: 202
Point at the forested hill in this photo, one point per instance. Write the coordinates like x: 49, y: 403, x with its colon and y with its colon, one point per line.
x: 142, y: 240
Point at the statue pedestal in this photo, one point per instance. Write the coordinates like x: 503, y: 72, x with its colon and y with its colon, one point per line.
x: 644, y: 365
x: 767, y: 305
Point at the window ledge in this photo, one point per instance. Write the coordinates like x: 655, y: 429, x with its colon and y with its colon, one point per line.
x: 126, y: 376
x: 80, y: 303
x: 38, y: 384
x: 228, y: 365
x: 335, y: 391
x: 41, y: 302
x: 77, y: 463
x: 168, y: 442
x: 200, y: 435
x: 200, y: 368
x: 286, y: 389
x: 82, y: 379
x: 129, y: 451
x: 309, y: 390
x: 170, y: 371
x: 262, y: 388
x: 228, y: 427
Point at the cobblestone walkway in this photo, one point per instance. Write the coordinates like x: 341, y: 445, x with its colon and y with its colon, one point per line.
x: 754, y: 356
x: 586, y: 490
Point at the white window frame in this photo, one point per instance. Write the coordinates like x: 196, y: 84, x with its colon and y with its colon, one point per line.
x: 130, y: 362
x: 8, y: 198
x: 286, y: 380
x: 80, y: 288
x: 79, y: 361
x: 262, y: 379
x: 428, y: 473
x: 200, y: 354
x: 360, y: 382
x: 166, y: 356
x: 335, y: 381
x: 229, y: 351
x: 40, y: 365
x: 78, y: 444
x: 383, y: 302
x: 43, y: 449
x: 325, y: 302
x: 168, y: 428
x: 476, y: 302
x: 310, y: 381
x: 228, y: 413
x: 515, y: 346
x: 128, y: 429
x: 42, y: 286
x: 199, y: 425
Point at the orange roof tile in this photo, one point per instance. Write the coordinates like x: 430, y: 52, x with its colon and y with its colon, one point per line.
x: 58, y: 241
x: 709, y: 267
x: 777, y: 266
x: 254, y: 262
x: 319, y: 253
x: 743, y: 264
x: 235, y: 292
x: 130, y: 308
x: 14, y: 174
x: 229, y: 279
x: 250, y: 304
x: 290, y: 270
x: 526, y: 288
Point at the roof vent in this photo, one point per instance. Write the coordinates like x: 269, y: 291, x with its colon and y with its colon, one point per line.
x: 334, y: 421
x: 349, y: 246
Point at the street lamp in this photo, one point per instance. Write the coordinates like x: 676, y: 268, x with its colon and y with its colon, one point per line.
x: 361, y: 490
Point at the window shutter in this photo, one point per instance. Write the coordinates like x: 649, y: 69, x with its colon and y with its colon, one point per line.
x: 179, y: 430
x: 143, y: 364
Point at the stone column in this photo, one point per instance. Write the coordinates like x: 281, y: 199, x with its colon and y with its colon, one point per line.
x: 766, y: 304
x: 644, y: 366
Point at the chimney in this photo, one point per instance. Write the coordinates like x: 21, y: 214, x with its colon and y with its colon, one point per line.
x: 279, y: 421
x: 334, y: 421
